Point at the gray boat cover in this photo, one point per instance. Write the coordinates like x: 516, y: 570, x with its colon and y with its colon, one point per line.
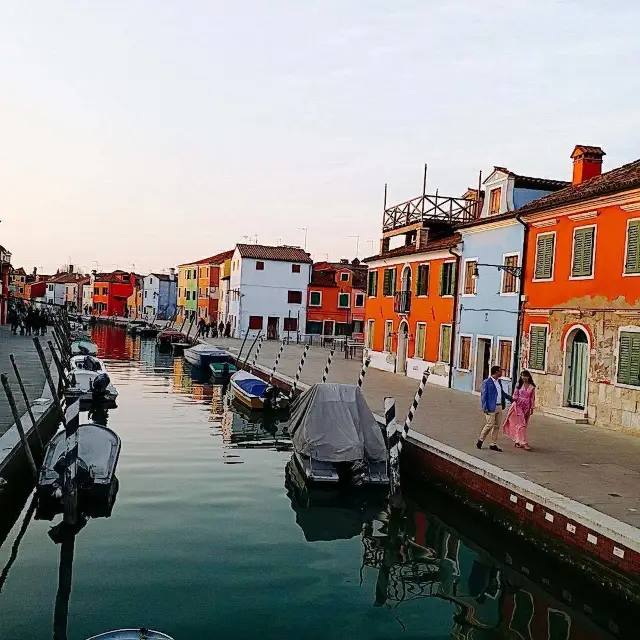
x: 332, y: 423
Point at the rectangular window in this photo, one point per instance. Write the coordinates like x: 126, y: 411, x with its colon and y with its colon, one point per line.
x: 359, y: 300
x: 545, y: 247
x: 537, y: 347
x: 447, y: 277
x: 96, y: 290
x: 583, y: 252
x: 470, y: 267
x: 295, y: 268
x: 509, y: 280
x: 421, y: 335
x: 259, y: 266
x: 632, y: 259
x: 445, y: 342
x: 315, y: 299
x: 389, y: 283
x: 105, y: 291
x: 370, y: 325
x: 344, y: 277
x: 505, y: 349
x: 343, y: 301
x: 495, y: 198
x: 290, y: 324
x: 255, y: 322
x: 294, y: 297
x: 422, y: 283
x: 464, y: 361
x: 629, y: 358
x: 372, y: 284
x: 388, y: 335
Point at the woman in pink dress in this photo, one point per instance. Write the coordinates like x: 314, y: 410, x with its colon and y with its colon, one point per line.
x: 517, y: 420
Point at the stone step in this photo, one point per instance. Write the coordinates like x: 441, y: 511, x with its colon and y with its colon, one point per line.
x: 577, y: 416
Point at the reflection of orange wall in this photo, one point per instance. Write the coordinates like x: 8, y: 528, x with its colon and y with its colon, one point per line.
x: 111, y: 342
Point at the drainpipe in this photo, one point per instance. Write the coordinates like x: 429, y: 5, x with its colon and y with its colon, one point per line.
x: 454, y: 319
x: 518, y: 340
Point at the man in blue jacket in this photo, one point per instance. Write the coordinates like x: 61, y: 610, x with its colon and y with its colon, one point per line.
x: 493, y: 400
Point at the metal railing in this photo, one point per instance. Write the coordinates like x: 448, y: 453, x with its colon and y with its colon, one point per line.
x: 402, y: 302
x: 454, y: 211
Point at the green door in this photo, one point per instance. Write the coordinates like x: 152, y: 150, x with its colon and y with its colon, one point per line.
x: 578, y: 371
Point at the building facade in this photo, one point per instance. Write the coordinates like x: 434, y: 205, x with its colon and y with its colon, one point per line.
x: 111, y: 292
x: 160, y: 295
x: 17, y: 282
x: 268, y: 291
x: 187, y: 290
x: 487, y: 321
x: 209, y: 285
x: 581, y: 323
x: 336, y: 298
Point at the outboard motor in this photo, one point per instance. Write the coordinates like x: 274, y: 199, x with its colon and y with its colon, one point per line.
x: 99, y: 386
x: 271, y: 397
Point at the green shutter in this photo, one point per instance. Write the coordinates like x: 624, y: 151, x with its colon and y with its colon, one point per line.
x: 537, y: 347
x: 386, y: 287
x: 393, y: 281
x: 452, y: 286
x: 544, y: 256
x: 419, y: 281
x: 629, y: 359
x: 583, y: 252
x: 445, y: 348
x: 632, y: 263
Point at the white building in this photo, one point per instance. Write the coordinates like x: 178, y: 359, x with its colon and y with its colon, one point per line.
x: 159, y: 295
x: 57, y: 289
x: 268, y: 291
x: 87, y: 295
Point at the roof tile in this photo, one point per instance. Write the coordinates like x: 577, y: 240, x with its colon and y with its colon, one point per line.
x: 282, y: 253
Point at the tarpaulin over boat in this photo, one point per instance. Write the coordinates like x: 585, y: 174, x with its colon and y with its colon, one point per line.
x: 254, y: 386
x: 333, y: 423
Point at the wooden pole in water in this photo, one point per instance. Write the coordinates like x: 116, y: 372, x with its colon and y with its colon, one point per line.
x: 16, y: 417
x: 363, y: 371
x: 327, y: 366
x: 275, y: 364
x: 257, y: 353
x: 258, y: 336
x: 299, y: 371
x: 246, y: 335
x: 190, y: 327
x: 26, y: 399
x: 54, y: 355
x: 183, y: 323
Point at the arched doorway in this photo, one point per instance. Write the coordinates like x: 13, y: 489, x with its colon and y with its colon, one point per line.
x: 576, y: 373
x: 403, y: 341
x: 406, y: 279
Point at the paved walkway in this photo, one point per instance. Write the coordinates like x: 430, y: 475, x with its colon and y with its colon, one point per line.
x: 594, y: 466
x: 31, y: 372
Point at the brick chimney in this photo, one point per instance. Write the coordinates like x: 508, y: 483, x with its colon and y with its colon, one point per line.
x: 587, y: 163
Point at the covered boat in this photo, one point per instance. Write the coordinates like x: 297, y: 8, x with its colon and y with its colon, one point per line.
x: 336, y: 437
x: 132, y: 634
x: 169, y: 336
x: 91, y: 387
x: 98, y: 452
x: 255, y: 393
x: 84, y: 346
x: 222, y: 370
x: 87, y: 363
x: 202, y: 355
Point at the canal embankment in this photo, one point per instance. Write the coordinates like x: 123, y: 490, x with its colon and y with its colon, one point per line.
x: 578, y: 486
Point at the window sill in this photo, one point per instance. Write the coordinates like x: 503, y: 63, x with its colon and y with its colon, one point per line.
x: 591, y: 277
x: 464, y: 295
x: 448, y: 295
x: 624, y: 385
x: 540, y: 371
x: 631, y: 275
x: 509, y: 294
x: 463, y: 370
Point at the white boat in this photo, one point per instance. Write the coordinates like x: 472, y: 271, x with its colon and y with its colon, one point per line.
x: 336, y: 438
x: 202, y: 355
x: 84, y: 346
x: 132, y: 634
x: 90, y: 387
x: 87, y: 363
x: 255, y: 393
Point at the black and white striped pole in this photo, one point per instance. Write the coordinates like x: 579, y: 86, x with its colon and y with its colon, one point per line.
x: 299, y: 371
x: 325, y: 373
x: 363, y: 371
x: 257, y: 353
x: 275, y: 364
x: 413, y: 408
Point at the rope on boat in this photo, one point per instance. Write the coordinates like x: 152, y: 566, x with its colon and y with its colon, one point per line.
x: 327, y: 366
x: 299, y: 371
x: 275, y: 364
x: 363, y: 371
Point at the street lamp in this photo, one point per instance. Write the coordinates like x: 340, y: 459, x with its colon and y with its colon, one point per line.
x: 511, y: 270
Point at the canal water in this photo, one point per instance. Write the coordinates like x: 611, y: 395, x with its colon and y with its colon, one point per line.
x: 213, y: 536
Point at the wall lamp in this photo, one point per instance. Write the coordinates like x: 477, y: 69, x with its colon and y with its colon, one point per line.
x: 514, y: 271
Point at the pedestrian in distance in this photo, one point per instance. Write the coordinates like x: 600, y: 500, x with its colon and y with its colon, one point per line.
x: 493, y: 399
x: 227, y: 330
x: 517, y: 420
x: 221, y: 328
x: 201, y: 326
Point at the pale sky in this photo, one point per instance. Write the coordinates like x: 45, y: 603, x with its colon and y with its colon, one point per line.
x: 154, y: 133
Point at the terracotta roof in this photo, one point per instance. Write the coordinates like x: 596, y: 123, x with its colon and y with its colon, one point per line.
x: 282, y: 253
x: 621, y: 179
x: 580, y: 149
x: 161, y: 276
x: 432, y: 245
x: 65, y: 278
x: 219, y: 258
x: 323, y: 278
x: 19, y: 272
x: 115, y: 276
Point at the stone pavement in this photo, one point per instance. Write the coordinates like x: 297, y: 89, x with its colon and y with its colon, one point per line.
x: 31, y: 372
x: 594, y: 466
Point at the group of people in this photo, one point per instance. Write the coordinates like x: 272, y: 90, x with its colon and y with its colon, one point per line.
x: 206, y: 329
x: 28, y: 320
x: 493, y: 400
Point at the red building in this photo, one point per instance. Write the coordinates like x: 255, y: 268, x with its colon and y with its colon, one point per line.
x: 336, y: 298
x: 111, y: 291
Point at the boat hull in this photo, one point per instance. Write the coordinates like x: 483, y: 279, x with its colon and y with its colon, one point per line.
x: 326, y: 473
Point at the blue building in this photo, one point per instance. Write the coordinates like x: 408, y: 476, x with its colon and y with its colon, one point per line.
x: 160, y: 295
x: 489, y: 284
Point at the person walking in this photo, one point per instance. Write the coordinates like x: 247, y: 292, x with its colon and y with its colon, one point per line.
x: 493, y: 400
x: 201, y: 326
x: 517, y: 420
x: 227, y: 330
x: 221, y: 329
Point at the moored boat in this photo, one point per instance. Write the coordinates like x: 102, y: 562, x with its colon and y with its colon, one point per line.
x: 255, y: 393
x: 91, y: 387
x: 84, y: 346
x: 221, y: 371
x: 202, y: 355
x: 169, y: 336
x: 86, y: 363
x: 132, y: 634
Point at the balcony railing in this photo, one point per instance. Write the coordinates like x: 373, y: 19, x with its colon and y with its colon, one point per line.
x: 402, y: 302
x: 453, y: 211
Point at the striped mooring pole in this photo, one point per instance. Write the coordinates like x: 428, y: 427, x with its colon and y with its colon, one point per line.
x: 257, y: 353
x: 363, y: 371
x: 325, y: 373
x: 275, y: 364
x: 299, y: 371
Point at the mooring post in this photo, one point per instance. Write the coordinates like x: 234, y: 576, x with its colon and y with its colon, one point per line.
x: 16, y: 417
x: 183, y: 323
x: 190, y: 327
x: 363, y: 371
x: 275, y: 364
x: 257, y: 353
x: 412, y: 409
x: 325, y: 373
x: 299, y: 371
x: 54, y: 355
x: 26, y: 400
x: 393, y: 441
x: 47, y: 375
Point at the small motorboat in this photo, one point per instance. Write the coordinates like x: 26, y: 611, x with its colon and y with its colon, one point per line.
x: 202, y: 355
x: 84, y: 346
x: 86, y: 363
x: 147, y: 331
x: 336, y: 438
x: 91, y: 387
x: 134, y: 327
x: 221, y: 371
x: 98, y: 452
x: 132, y: 634
x: 255, y: 393
x: 169, y: 336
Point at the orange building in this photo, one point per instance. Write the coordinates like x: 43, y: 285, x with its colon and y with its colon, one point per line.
x: 209, y: 285
x: 18, y: 282
x: 111, y: 292
x: 412, y: 288
x: 336, y: 298
x: 581, y: 320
